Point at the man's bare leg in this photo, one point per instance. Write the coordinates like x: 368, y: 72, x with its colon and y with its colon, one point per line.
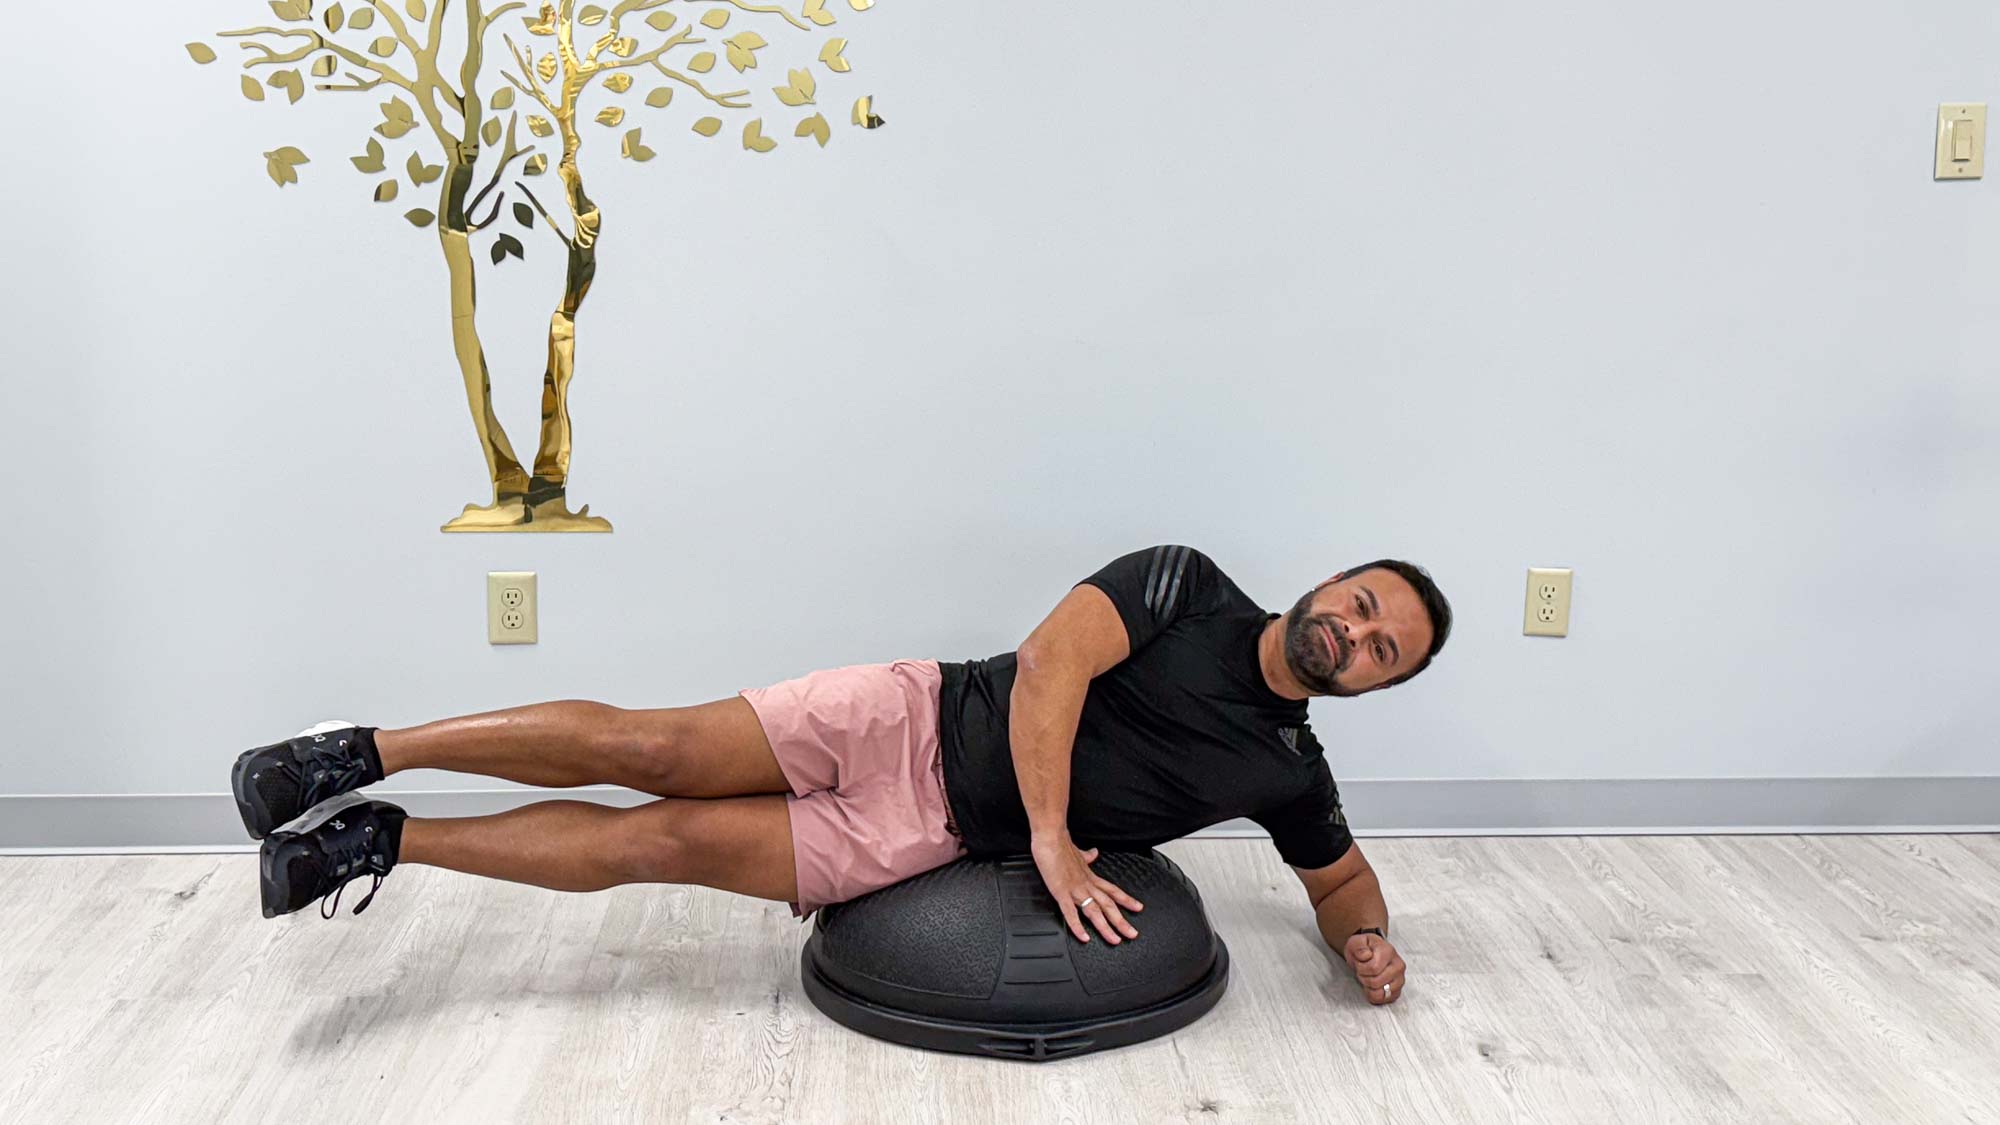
x: 711, y: 750
x: 740, y: 844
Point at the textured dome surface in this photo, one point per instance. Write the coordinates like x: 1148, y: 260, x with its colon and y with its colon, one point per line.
x: 973, y: 956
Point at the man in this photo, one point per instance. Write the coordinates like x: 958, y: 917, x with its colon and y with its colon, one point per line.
x: 1155, y: 699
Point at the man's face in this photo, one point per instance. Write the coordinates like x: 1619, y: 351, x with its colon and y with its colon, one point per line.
x: 1352, y: 634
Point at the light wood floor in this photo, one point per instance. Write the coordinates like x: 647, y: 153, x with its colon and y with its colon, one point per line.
x: 1638, y: 979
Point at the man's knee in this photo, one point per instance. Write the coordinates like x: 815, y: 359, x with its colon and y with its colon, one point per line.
x: 659, y: 842
x: 651, y: 744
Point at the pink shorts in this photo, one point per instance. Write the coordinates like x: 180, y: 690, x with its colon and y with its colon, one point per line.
x: 859, y: 747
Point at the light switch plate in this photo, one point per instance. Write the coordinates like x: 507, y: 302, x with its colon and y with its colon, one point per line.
x: 511, y: 607
x: 1547, y: 613
x: 1961, y: 141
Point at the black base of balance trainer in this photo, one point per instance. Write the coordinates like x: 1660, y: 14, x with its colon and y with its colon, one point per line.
x: 973, y: 957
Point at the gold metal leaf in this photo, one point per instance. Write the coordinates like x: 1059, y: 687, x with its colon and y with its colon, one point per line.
x: 830, y: 55
x: 397, y: 119
x: 618, y: 83
x: 422, y: 173
x: 799, y: 91
x: 361, y: 20
x: 386, y: 191
x: 754, y: 138
x: 633, y: 150
x: 864, y: 113
x: 539, y: 125
x: 490, y: 132
x: 716, y: 18
x: 336, y: 18
x: 660, y: 21
x: 816, y: 12
x: 419, y: 217
x: 702, y: 63
x: 290, y: 82
x: 416, y: 10
x: 661, y: 97
x: 281, y: 165
x: 201, y: 53
x: 623, y: 48
x: 814, y: 127
x: 546, y: 67
x: 708, y: 126
x: 503, y: 98
x: 323, y: 66
x: 383, y: 46
x: 741, y: 48
x: 591, y: 16
x: 372, y: 161
x: 537, y: 164
x: 293, y: 10
x: 252, y: 89
x: 861, y: 5
x: 610, y: 115
x: 544, y: 26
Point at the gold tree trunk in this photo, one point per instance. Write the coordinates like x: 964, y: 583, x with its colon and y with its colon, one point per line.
x: 546, y: 493
x: 510, y: 481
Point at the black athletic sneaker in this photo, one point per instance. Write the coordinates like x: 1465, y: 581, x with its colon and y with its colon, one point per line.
x: 342, y: 841
x: 280, y: 783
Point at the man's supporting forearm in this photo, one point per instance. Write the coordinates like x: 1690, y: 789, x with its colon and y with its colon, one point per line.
x: 1353, y: 905
x: 1044, y: 710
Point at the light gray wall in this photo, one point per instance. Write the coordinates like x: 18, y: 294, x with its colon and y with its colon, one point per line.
x: 1664, y: 293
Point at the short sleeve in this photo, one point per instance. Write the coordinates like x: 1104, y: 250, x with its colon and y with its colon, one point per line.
x: 1310, y: 831
x: 1154, y: 587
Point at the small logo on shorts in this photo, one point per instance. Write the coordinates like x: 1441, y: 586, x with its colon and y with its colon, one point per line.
x: 1290, y: 735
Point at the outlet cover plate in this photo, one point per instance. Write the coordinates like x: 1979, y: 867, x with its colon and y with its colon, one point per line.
x: 1547, y: 612
x: 512, y: 609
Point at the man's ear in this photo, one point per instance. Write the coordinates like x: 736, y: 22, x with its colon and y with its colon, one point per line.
x: 1330, y: 581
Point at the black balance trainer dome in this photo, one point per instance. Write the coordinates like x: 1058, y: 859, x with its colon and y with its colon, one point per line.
x: 973, y: 957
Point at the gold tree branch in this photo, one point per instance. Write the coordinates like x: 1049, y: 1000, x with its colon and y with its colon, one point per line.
x: 402, y: 30
x: 532, y: 86
x: 678, y: 39
x: 486, y: 21
x: 774, y: 10
x: 427, y: 68
x: 627, y: 7
x: 718, y: 99
x: 359, y: 83
x: 388, y: 73
x: 553, y: 226
x: 507, y: 156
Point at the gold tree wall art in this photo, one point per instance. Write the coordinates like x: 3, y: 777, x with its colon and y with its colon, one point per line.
x: 477, y: 133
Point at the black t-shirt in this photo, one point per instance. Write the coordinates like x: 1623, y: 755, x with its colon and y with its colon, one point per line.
x: 1182, y: 734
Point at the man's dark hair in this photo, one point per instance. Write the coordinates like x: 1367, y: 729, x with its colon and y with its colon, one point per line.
x: 1434, y: 604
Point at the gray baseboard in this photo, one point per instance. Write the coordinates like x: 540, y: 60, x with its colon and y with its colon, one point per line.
x: 203, y: 822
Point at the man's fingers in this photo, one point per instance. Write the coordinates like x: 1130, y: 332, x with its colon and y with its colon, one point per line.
x: 1104, y: 899
x: 1119, y: 896
x: 1069, y: 913
x: 1098, y: 912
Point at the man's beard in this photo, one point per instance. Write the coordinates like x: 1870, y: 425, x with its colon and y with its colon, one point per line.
x: 1305, y: 649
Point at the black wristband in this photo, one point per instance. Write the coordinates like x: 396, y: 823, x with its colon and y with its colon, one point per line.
x: 1376, y: 930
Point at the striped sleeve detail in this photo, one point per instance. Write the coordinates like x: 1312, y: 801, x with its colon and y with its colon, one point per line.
x: 1163, y: 579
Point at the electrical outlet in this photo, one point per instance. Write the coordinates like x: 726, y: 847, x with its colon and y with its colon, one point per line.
x: 510, y: 607
x: 1547, y: 613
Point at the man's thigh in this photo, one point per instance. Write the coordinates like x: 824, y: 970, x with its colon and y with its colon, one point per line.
x: 738, y: 844
x: 709, y: 750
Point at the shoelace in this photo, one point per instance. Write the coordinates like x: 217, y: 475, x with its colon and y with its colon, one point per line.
x: 329, y: 769
x: 362, y: 860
